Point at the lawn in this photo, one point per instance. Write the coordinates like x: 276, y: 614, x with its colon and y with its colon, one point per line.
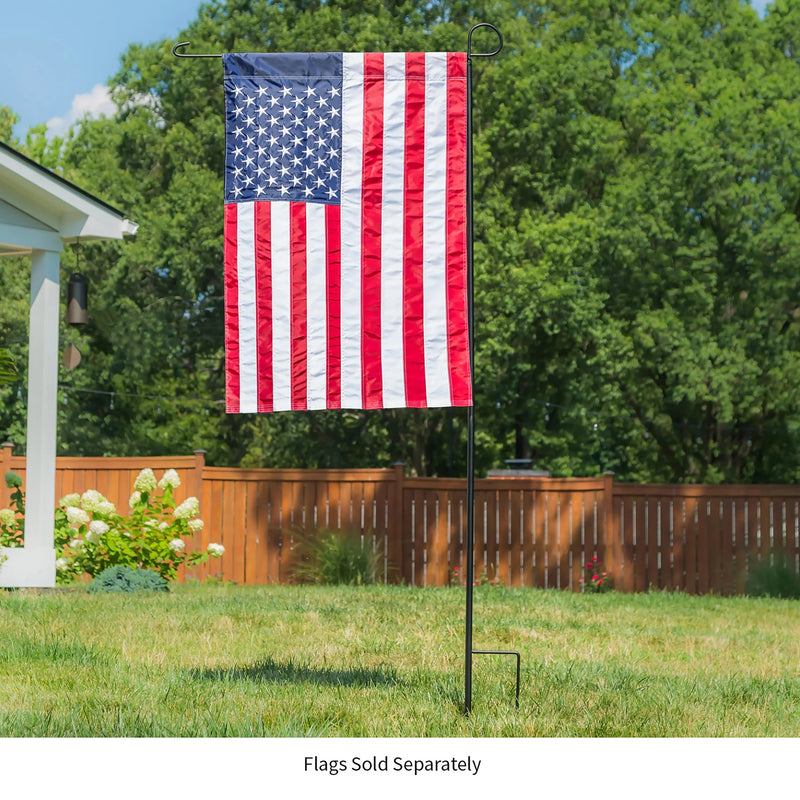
x: 384, y: 661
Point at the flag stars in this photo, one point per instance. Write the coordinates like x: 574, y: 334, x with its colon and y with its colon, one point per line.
x: 283, y: 140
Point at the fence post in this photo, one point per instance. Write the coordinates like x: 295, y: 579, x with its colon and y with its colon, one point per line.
x: 5, y: 466
x: 612, y: 557
x: 397, y: 533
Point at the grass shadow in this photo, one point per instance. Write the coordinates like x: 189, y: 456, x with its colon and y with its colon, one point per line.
x: 270, y: 671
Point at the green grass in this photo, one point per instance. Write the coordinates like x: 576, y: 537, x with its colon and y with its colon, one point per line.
x: 388, y: 662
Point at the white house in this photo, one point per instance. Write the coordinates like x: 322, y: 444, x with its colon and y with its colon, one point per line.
x: 40, y: 212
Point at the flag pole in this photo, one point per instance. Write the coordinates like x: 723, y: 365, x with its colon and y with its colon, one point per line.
x: 470, y: 545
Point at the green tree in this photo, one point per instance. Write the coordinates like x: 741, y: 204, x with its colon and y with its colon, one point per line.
x: 8, y: 368
x: 8, y: 119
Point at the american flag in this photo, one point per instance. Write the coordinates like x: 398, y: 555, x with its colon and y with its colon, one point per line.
x: 345, y: 231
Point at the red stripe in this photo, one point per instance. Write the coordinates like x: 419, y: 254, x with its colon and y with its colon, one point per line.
x: 264, y: 304
x: 297, y: 224
x: 413, y: 309
x: 333, y: 237
x: 371, y: 199
x: 457, y: 325
x: 231, y: 311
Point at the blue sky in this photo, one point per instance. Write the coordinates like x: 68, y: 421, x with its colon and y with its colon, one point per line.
x: 57, y: 55
x: 55, y: 52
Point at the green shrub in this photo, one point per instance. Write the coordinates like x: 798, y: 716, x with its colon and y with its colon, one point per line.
x: 773, y: 578
x: 333, y: 557
x: 12, y: 520
x: 120, y: 578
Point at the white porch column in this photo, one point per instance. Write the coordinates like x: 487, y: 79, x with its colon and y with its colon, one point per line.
x: 34, y: 564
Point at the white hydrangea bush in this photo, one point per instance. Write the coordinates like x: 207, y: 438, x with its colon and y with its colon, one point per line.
x: 92, y: 534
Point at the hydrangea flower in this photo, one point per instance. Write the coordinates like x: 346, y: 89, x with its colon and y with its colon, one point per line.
x: 70, y: 500
x: 189, y: 508
x: 195, y: 524
x: 97, y: 526
x: 13, y: 481
x: 90, y: 537
x: 176, y: 545
x: 7, y: 517
x: 77, y: 516
x: 90, y: 499
x: 62, y: 564
x: 106, y: 508
x: 145, y: 481
x: 170, y: 479
x: 134, y: 499
x: 76, y: 544
x: 216, y: 550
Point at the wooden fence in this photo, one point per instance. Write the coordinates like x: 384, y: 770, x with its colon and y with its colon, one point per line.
x: 528, y: 531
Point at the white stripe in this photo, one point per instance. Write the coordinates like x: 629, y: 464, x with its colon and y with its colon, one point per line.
x: 394, y: 110
x: 280, y: 233
x: 316, y: 306
x: 246, y: 276
x: 437, y: 376
x: 352, y: 153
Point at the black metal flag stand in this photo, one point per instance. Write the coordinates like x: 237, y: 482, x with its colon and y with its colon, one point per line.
x: 470, y: 545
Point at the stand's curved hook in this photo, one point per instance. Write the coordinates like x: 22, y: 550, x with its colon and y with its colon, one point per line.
x: 192, y: 55
x: 469, y: 41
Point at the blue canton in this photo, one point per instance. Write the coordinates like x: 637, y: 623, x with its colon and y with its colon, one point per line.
x: 283, y: 138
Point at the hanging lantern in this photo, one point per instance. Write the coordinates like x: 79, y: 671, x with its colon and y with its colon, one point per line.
x: 77, y: 300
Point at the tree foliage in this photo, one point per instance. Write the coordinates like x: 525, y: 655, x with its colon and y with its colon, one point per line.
x: 636, y: 221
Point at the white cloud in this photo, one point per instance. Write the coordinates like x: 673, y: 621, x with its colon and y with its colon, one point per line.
x: 96, y: 103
